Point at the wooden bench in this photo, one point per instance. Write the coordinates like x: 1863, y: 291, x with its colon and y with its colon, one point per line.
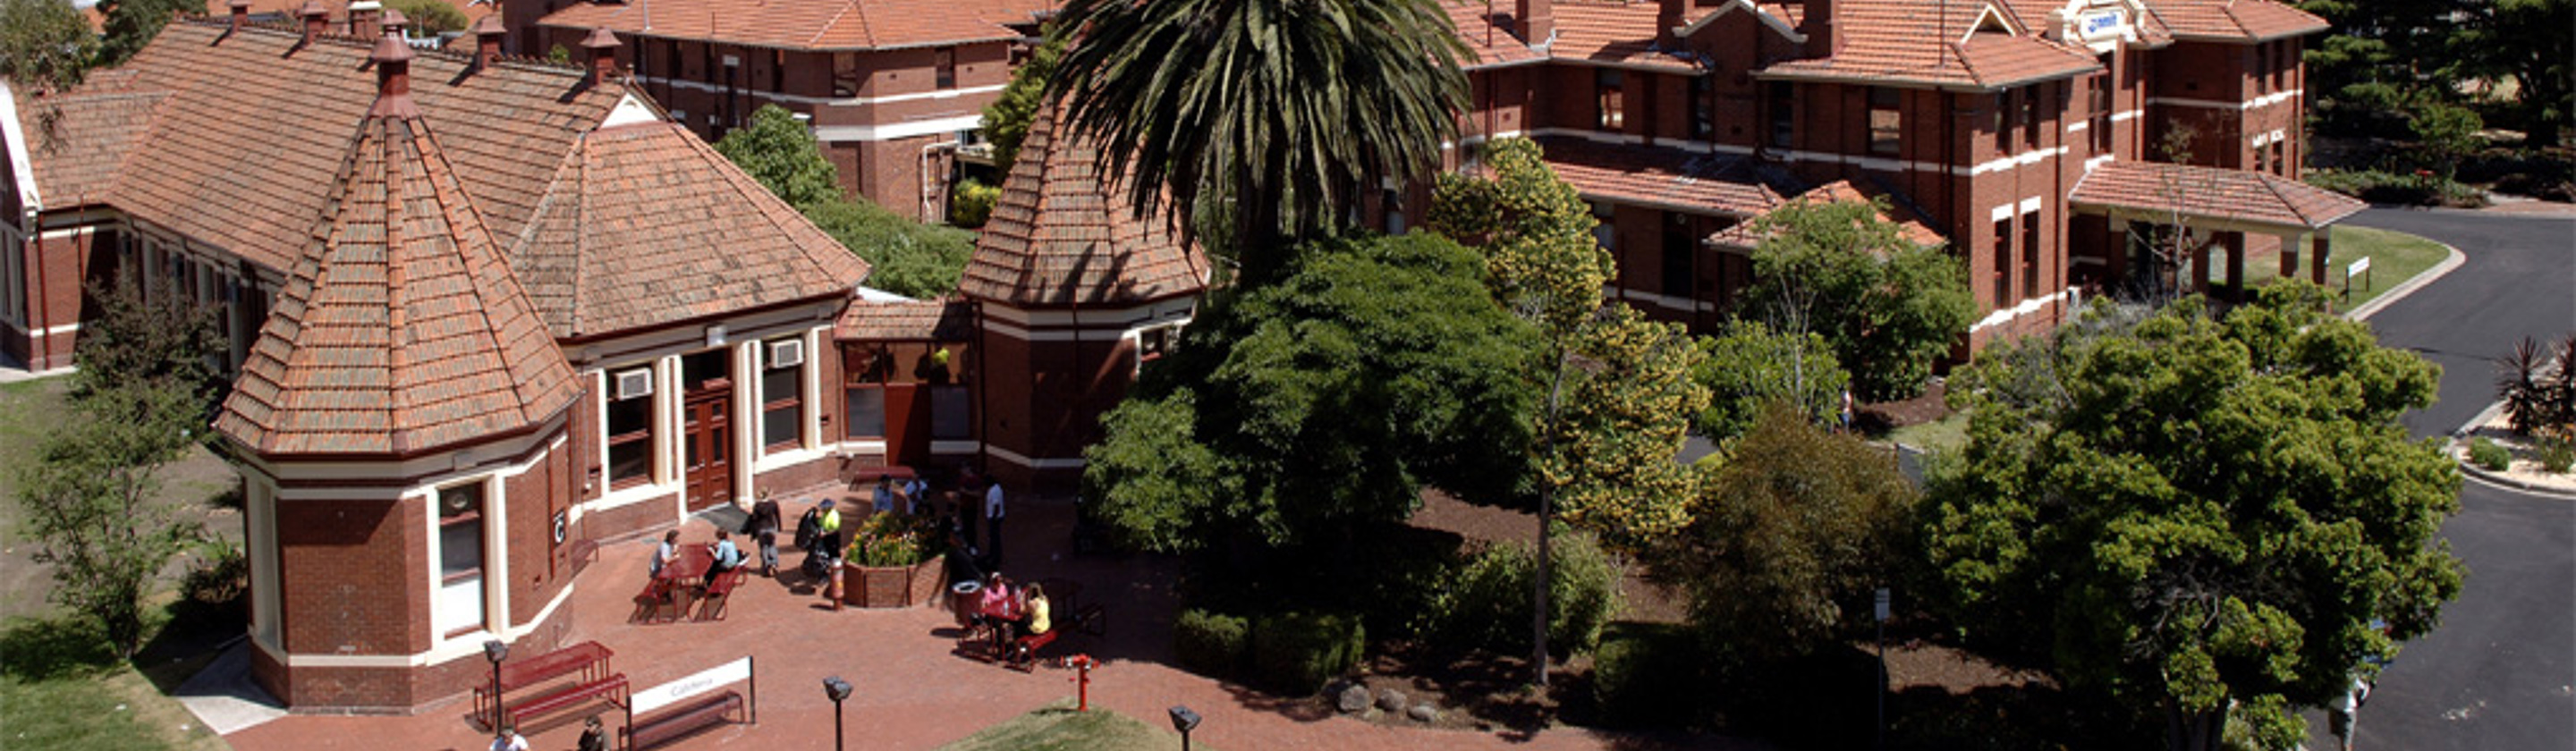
x: 658, y: 594
x: 680, y: 721
x: 1024, y: 650
x: 719, y: 595
x: 612, y: 688
x: 586, y: 662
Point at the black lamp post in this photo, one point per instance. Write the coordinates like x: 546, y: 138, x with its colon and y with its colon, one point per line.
x: 496, y: 650
x: 1184, y: 720
x: 838, y: 690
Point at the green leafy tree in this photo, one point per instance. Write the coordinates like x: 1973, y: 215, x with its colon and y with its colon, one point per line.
x: 1889, y: 307
x: 1790, y: 536
x: 1289, y: 110
x: 2196, y: 514
x: 2528, y: 40
x: 1297, y: 414
x: 1006, y: 120
x: 45, y: 45
x: 142, y: 397
x: 904, y: 257
x: 1748, y: 366
x: 429, y: 18
x: 2443, y: 134
x: 781, y: 153
x: 1624, y: 421
x: 130, y: 24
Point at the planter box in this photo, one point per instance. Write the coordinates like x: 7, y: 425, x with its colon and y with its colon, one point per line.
x: 894, y: 586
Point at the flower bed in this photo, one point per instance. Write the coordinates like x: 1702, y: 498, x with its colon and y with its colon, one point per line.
x: 894, y: 561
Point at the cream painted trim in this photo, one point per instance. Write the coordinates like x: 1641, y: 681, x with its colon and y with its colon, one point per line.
x: 1055, y: 335
x: 2078, y: 125
x: 2002, y: 316
x: 469, y: 644
x: 67, y: 232
x: 955, y: 447
x: 822, y: 101
x: 2122, y: 116
x: 892, y: 131
x: 59, y: 330
x: 1767, y: 19
x: 1015, y: 457
x: 629, y: 111
x: 1663, y: 301
x: 2030, y: 204
x: 16, y: 137
x: 2098, y: 161
x: 877, y: 447
x: 2265, y: 100
x: 1177, y: 307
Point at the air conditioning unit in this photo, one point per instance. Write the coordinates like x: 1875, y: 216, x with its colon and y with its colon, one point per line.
x: 786, y: 353
x: 635, y: 383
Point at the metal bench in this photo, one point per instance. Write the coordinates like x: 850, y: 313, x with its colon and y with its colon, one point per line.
x: 587, y: 660
x: 719, y: 595
x: 678, y: 722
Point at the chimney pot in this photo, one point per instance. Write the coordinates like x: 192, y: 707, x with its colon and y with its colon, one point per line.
x: 315, y: 18
x: 393, y: 78
x: 394, y: 22
x: 488, y: 33
x: 1537, y: 19
x: 362, y: 19
x: 241, y: 13
x: 602, y: 45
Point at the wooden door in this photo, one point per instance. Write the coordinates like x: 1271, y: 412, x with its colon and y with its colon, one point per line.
x: 707, y: 444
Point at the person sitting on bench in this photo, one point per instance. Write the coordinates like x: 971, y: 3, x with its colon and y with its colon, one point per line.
x: 1033, y: 613
x: 663, y: 553
x: 727, y: 557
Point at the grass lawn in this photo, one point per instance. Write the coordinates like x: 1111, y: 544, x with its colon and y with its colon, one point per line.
x: 2394, y: 258
x: 1950, y: 433
x: 1059, y: 728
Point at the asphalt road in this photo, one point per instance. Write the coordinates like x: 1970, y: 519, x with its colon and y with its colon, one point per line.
x: 2500, y: 672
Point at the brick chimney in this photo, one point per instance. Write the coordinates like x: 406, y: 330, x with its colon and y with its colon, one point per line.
x: 393, y: 78
x: 488, y: 33
x: 241, y: 15
x: 316, y: 18
x: 362, y: 19
x: 602, y: 46
x: 393, y: 23
x: 1537, y: 19
x: 1824, y: 37
x: 1668, y: 17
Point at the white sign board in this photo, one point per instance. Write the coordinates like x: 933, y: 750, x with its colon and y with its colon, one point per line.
x: 2357, y: 267
x: 2095, y: 25
x: 706, y: 680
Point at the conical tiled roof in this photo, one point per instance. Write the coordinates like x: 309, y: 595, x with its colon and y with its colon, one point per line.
x: 400, y: 328
x: 1061, y: 236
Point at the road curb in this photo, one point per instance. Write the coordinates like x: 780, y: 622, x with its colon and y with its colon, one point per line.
x: 2459, y: 438
x: 2401, y: 291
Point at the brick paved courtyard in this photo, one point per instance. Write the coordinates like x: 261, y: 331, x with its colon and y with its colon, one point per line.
x: 911, y: 692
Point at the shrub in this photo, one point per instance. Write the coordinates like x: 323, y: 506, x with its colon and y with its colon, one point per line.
x: 2486, y: 453
x: 2556, y: 450
x: 972, y: 203
x: 1488, y: 605
x: 890, y: 539
x: 220, y: 575
x: 1210, y: 644
x: 1295, y: 653
x: 1645, y: 675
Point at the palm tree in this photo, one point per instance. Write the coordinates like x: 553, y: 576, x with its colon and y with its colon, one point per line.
x: 1289, y: 109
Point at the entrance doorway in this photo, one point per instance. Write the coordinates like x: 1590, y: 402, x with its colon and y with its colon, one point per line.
x: 706, y: 435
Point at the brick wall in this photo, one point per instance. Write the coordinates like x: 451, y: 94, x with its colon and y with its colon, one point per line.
x: 340, y: 563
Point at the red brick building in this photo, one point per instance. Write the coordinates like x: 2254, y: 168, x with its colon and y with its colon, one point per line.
x: 893, y: 88
x: 2027, y: 133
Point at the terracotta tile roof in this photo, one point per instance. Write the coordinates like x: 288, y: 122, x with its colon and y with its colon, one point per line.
x: 944, y: 320
x: 400, y: 329
x: 1666, y: 177
x: 245, y: 150
x: 78, y: 143
x: 1919, y: 42
x: 1060, y: 236
x: 1742, y: 236
x: 1492, y: 39
x: 1616, y: 33
x: 799, y: 24
x: 2212, y: 193
x: 647, y: 225
x: 473, y: 10
x: 2234, y: 20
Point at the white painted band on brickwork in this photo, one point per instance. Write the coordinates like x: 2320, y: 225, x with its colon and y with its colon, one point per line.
x: 892, y: 131
x: 822, y: 101
x: 2002, y: 316
x: 2254, y: 103
x: 1663, y: 301
x: 1015, y: 457
x: 467, y: 645
x: 956, y: 447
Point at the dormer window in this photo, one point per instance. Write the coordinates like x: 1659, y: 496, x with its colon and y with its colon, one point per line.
x: 1886, y: 121
x: 1612, y: 107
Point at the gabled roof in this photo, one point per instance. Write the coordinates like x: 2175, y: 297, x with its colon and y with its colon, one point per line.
x: 400, y: 329
x: 2214, y: 194
x: 950, y: 319
x: 1614, y: 34
x: 243, y: 153
x: 1961, y: 44
x: 1062, y: 236
x: 1492, y: 39
x: 79, y: 143
x: 1667, y: 177
x: 804, y: 24
x: 646, y: 225
x: 2234, y: 20
x: 1743, y: 236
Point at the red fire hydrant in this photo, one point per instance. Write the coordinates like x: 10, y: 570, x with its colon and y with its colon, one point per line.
x: 1082, y: 693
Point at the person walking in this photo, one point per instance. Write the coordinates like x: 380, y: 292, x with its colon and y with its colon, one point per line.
x: 594, y: 736
x: 993, y: 525
x: 764, y: 530
x: 509, y: 739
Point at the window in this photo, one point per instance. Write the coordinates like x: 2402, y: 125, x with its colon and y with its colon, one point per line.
x: 1886, y: 120
x: 2030, y: 254
x: 2003, y: 263
x: 782, y: 390
x: 460, y: 558
x: 1677, y: 257
x: 1606, y: 229
x: 946, y: 60
x: 1784, y: 112
x: 2263, y: 62
x: 2281, y: 66
x: 2030, y: 120
x: 778, y: 71
x: 1703, y: 103
x: 1153, y: 343
x: 2003, y: 121
x: 2281, y: 157
x: 1606, y: 83
x: 630, y: 434
x: 845, y: 74
x: 2100, y: 108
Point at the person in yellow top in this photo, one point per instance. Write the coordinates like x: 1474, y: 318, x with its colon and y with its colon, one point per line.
x: 1035, y: 622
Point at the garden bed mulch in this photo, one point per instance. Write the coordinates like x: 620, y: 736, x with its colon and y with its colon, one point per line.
x: 2525, y: 470
x: 1879, y: 417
